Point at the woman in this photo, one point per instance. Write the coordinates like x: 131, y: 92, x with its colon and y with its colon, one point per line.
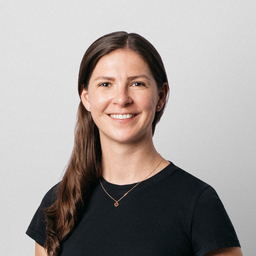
x: 118, y: 195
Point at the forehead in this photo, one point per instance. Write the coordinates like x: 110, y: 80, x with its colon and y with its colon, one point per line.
x: 121, y: 61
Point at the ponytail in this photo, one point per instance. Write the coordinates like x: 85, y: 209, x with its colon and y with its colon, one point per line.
x: 83, y: 172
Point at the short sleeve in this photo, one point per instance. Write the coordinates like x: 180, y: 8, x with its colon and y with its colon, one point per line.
x: 37, y: 227
x: 211, y: 227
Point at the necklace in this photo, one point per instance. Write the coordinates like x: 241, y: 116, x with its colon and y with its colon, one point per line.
x: 117, y: 201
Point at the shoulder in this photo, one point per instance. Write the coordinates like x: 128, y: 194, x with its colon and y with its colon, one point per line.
x: 37, y: 227
x: 50, y: 197
x: 209, y: 223
x: 183, y: 182
x: 192, y: 193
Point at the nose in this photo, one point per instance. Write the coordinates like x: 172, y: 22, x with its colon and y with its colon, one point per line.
x: 122, y: 96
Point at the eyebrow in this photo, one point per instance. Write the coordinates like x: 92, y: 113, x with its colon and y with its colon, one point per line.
x: 129, y: 78
x: 104, y: 78
x: 139, y: 76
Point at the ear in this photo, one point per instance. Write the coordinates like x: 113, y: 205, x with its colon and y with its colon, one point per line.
x: 162, y: 96
x: 85, y: 99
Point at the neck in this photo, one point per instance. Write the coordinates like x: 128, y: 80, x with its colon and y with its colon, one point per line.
x: 127, y: 164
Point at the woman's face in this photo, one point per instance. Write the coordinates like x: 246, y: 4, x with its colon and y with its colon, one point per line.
x: 122, y: 97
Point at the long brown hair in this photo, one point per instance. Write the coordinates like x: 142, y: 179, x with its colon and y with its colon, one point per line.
x: 84, y: 168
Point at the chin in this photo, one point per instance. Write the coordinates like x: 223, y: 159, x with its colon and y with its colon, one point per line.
x: 135, y: 138
x: 126, y: 136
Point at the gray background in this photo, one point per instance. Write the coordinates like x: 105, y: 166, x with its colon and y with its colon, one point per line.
x: 208, y: 129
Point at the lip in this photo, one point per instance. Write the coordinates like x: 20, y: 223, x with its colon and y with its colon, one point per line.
x: 123, y: 116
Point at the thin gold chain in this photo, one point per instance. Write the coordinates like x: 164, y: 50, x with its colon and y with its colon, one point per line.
x: 117, y: 201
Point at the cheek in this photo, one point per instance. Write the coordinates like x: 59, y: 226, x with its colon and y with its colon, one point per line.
x: 98, y: 102
x: 148, y: 103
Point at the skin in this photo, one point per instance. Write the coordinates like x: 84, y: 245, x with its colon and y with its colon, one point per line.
x: 40, y: 251
x: 122, y: 83
x: 231, y: 251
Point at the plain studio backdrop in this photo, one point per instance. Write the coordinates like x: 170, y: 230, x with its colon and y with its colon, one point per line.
x: 208, y: 128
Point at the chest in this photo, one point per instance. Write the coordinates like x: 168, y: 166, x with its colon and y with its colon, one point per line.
x: 140, y: 225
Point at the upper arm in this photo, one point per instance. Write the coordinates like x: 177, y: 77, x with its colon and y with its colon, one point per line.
x: 40, y: 251
x: 230, y: 251
x: 211, y: 227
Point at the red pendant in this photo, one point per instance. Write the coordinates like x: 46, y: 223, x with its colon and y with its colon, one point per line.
x: 116, y: 204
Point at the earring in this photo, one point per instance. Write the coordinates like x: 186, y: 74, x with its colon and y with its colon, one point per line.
x: 158, y: 107
x: 89, y: 108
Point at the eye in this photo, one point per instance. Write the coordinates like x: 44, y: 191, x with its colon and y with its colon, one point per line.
x: 138, y: 84
x: 104, y: 84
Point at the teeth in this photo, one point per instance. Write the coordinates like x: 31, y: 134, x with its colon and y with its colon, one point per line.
x: 122, y: 116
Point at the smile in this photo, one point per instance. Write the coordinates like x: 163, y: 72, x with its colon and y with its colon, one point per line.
x: 125, y: 116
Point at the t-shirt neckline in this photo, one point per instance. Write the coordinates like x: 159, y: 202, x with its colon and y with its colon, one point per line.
x: 151, y: 180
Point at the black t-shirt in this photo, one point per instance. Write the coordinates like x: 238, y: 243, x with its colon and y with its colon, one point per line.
x: 171, y: 213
